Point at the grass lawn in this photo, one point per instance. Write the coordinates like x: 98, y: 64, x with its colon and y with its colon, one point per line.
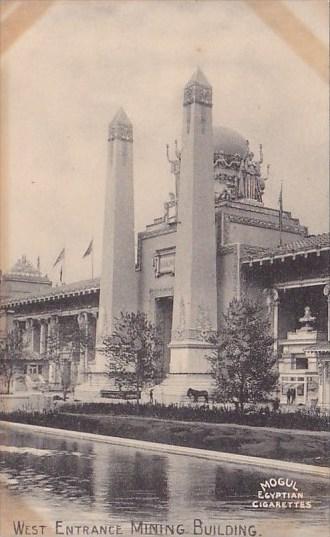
x: 296, y: 446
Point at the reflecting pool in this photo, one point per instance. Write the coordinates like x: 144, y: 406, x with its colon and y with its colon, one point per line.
x: 87, y: 488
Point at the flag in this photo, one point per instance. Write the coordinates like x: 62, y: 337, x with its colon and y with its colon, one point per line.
x: 60, y: 257
x: 89, y: 249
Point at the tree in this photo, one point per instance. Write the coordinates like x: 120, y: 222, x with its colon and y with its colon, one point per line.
x: 134, y: 352
x: 11, y: 350
x: 243, y: 362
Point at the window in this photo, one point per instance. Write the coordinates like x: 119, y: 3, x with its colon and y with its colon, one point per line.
x: 39, y: 369
x: 301, y: 363
x: 300, y: 389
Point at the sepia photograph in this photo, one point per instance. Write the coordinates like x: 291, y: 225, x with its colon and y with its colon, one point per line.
x: 164, y: 268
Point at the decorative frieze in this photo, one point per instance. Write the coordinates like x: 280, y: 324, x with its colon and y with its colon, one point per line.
x: 227, y: 249
x: 191, y: 334
x: 121, y: 132
x: 196, y: 93
x: 200, y: 332
x: 257, y: 222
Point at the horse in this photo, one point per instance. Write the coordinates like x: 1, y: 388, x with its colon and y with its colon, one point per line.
x: 198, y: 393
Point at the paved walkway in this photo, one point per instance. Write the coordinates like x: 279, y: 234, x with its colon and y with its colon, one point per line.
x: 298, y: 432
x: 230, y: 458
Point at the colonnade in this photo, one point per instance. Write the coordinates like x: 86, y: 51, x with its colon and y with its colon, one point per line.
x: 317, y: 351
x: 43, y: 338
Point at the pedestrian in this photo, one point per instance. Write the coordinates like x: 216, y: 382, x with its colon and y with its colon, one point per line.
x: 288, y: 396
x: 293, y: 395
x: 151, y: 396
x: 276, y: 404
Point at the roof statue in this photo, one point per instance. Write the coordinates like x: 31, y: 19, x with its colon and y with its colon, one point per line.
x: 236, y: 168
x: 175, y: 165
x: 23, y: 266
x: 307, y: 320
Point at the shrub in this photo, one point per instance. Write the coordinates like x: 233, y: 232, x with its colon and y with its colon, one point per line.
x: 66, y: 416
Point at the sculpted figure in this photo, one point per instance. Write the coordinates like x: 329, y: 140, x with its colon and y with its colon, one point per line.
x: 308, y: 319
x: 221, y: 161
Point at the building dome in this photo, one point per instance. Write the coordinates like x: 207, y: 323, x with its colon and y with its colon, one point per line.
x: 228, y: 141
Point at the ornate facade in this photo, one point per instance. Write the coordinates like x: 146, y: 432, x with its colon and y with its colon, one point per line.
x: 216, y: 240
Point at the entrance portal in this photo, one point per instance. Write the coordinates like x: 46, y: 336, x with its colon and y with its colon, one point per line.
x: 164, y: 312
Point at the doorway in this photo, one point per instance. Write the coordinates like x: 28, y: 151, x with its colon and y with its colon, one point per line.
x: 164, y: 313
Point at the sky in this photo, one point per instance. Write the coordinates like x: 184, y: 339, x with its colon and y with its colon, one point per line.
x: 68, y: 74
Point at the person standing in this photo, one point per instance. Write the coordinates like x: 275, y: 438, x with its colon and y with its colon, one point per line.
x: 288, y: 396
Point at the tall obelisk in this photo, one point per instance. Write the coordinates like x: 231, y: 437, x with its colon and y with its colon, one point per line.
x: 195, y: 290
x: 118, y: 288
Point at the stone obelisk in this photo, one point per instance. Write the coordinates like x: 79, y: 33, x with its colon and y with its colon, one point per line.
x: 118, y: 288
x: 195, y: 290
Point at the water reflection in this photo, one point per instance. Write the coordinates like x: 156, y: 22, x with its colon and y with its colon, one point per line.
x: 129, y: 481
x: 85, y: 481
x: 40, y: 463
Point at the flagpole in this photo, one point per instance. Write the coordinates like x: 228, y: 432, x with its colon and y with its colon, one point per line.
x: 281, y: 214
x: 64, y: 267
x: 92, y: 260
x: 60, y: 258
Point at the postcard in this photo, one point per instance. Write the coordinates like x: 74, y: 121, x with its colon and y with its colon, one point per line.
x: 164, y: 268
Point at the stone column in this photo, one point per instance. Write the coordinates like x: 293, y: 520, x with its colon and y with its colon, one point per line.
x: 29, y: 330
x: 195, y: 290
x: 36, y: 335
x: 273, y: 302
x: 82, y: 319
x: 43, y: 337
x: 276, y: 305
x: 326, y: 292
x: 321, y: 371
x: 92, y: 334
x: 52, y: 346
